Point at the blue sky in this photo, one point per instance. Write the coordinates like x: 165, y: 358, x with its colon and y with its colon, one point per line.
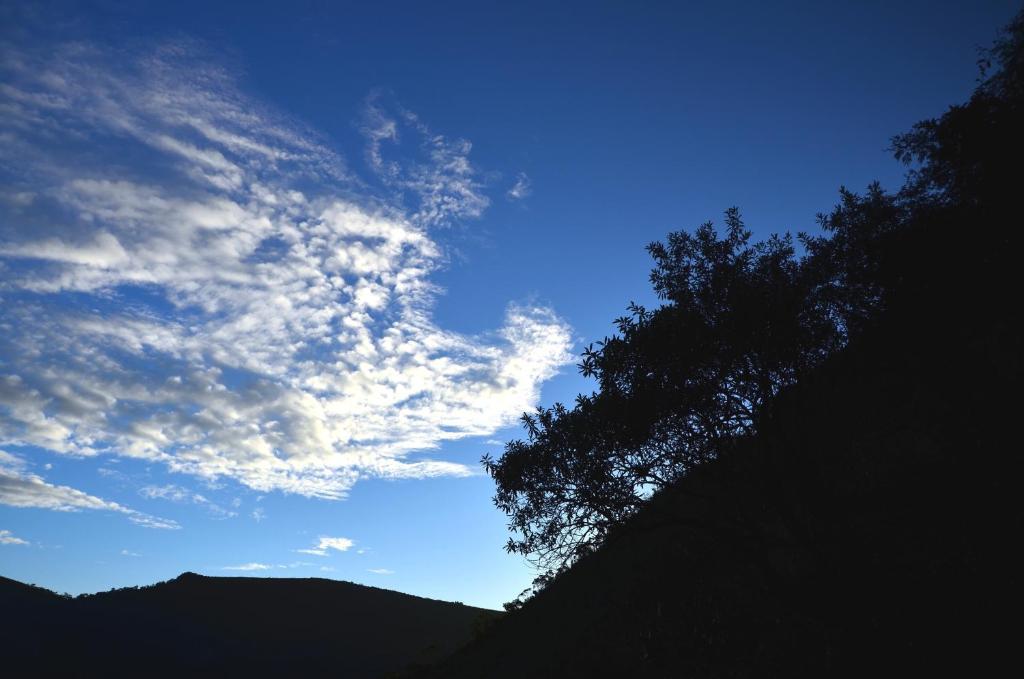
x: 274, y: 276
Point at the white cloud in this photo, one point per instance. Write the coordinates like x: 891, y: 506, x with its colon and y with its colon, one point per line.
x: 19, y: 488
x: 11, y: 461
x: 148, y: 521
x: 521, y: 188
x: 103, y: 252
x: 8, y: 538
x: 442, y: 182
x: 381, y: 571
x: 258, y: 514
x: 168, y: 492
x: 125, y: 552
x: 325, y: 543
x: 256, y: 566
x: 246, y: 309
x: 252, y: 566
x: 339, y: 544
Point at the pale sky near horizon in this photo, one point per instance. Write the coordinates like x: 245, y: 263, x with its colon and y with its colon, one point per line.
x: 274, y: 276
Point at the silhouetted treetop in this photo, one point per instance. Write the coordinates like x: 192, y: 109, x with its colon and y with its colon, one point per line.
x: 741, y: 320
x: 969, y: 155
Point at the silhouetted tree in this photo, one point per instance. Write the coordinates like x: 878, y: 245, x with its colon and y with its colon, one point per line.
x: 969, y: 156
x: 739, y: 322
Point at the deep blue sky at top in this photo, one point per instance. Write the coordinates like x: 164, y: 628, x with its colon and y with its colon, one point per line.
x: 632, y: 119
x: 629, y: 119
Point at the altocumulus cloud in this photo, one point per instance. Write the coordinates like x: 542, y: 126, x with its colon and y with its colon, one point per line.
x: 192, y: 279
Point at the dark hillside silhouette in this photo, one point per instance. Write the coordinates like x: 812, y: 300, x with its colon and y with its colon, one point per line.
x: 202, y: 626
x: 863, y: 517
x: 869, y: 528
x: 740, y: 322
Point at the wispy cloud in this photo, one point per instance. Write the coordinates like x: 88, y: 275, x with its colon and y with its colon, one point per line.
x: 256, y: 566
x: 183, y: 495
x: 222, y: 296
x: 381, y: 571
x: 438, y: 183
x: 20, y: 488
x: 125, y: 552
x: 521, y: 188
x: 251, y: 566
x: 8, y: 538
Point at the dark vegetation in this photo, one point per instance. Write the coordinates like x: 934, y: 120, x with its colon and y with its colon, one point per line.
x: 202, y: 626
x: 797, y: 465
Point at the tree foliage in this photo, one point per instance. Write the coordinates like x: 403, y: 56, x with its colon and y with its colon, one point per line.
x: 968, y: 156
x: 739, y: 321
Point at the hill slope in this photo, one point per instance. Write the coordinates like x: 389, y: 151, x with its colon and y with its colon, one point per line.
x: 228, y: 627
x: 870, y: 526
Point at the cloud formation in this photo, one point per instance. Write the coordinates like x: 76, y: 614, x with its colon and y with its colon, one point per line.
x: 252, y: 566
x: 8, y: 538
x: 189, y: 278
x: 256, y: 566
x: 20, y: 488
x: 521, y: 188
x: 438, y: 182
x: 325, y: 543
x: 185, y: 496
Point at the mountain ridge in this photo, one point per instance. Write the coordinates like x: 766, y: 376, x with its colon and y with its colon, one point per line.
x: 230, y: 626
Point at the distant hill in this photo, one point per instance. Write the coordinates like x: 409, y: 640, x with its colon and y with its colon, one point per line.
x: 207, y: 626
